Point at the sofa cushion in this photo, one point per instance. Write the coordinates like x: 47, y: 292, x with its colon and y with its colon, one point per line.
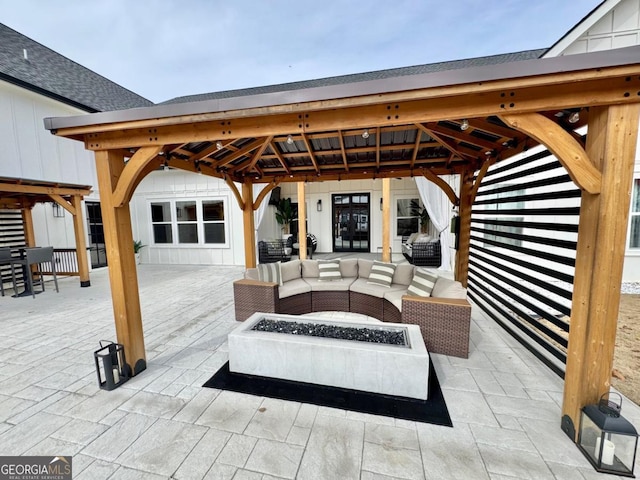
x: 403, y: 274
x: 364, y: 267
x: 446, y: 288
x: 424, y: 238
x: 293, y: 287
x: 329, y: 270
x: 341, y: 285
x: 395, y: 297
x: 361, y: 285
x: 422, y: 283
x: 310, y: 269
x: 412, y: 238
x: 270, y: 272
x: 290, y: 270
x: 251, y: 274
x: 349, y: 267
x: 382, y: 273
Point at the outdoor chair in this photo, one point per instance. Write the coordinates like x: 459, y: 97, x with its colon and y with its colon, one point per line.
x: 34, y: 256
x: 270, y: 251
x: 5, y: 260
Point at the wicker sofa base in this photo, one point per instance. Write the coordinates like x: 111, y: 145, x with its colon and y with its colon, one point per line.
x: 444, y: 322
x: 330, y: 301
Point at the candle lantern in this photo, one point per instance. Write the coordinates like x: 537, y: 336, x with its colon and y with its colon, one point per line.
x: 607, y: 439
x: 111, y: 366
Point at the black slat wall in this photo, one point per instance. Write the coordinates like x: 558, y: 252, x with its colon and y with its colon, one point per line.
x: 524, y: 229
x: 11, y: 235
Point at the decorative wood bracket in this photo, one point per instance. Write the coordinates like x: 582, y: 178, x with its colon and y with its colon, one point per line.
x: 132, y: 174
x: 63, y: 203
x: 235, y: 191
x: 483, y: 171
x: 263, y: 193
x: 566, y: 148
x: 444, y: 186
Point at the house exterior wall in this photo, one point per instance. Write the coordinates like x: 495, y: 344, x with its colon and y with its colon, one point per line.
x: 31, y: 152
x: 617, y: 28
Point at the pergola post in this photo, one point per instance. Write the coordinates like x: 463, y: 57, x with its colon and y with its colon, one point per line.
x: 302, y: 222
x: 81, y: 242
x: 248, y: 222
x: 123, y: 277
x: 464, y: 227
x: 611, y: 145
x: 386, y: 220
x: 27, y: 222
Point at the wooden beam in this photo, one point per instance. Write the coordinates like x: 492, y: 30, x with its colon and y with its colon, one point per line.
x: 464, y: 233
x: 278, y: 155
x: 435, y: 105
x: 81, y: 241
x: 132, y: 170
x: 444, y: 186
x: 27, y: 222
x: 568, y: 151
x: 302, y: 222
x: 460, y: 136
x: 416, y: 147
x: 258, y: 153
x: 239, y: 198
x: 248, y: 225
x: 63, y: 203
x: 377, y: 147
x: 240, y: 153
x: 611, y: 145
x: 478, y: 181
x: 34, y: 189
x: 118, y: 238
x: 386, y: 220
x: 453, y: 147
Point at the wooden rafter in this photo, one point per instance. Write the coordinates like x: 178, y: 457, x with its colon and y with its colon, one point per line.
x: 278, y: 155
x: 342, y: 151
x: 377, y: 148
x: 416, y: 148
x: 312, y: 156
x: 241, y: 152
x: 450, y: 145
x: 461, y: 136
x: 258, y: 153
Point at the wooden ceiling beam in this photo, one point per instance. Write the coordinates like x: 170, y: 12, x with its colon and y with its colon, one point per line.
x: 455, y: 149
x: 278, y: 155
x: 258, y: 153
x: 307, y: 144
x: 34, y: 189
x: 241, y: 152
x: 342, y: 151
x: 378, y: 147
x: 519, y: 100
x: 461, y: 136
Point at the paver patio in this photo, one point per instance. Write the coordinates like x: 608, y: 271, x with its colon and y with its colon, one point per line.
x: 504, y: 403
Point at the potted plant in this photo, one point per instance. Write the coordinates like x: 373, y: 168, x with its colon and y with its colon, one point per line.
x: 285, y: 214
x: 137, y: 246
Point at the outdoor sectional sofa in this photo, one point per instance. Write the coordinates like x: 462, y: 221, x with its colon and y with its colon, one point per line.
x: 444, y: 318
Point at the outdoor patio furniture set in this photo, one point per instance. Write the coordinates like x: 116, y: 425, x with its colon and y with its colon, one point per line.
x: 421, y: 249
x: 444, y: 317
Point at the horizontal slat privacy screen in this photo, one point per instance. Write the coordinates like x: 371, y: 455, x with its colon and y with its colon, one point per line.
x: 524, y: 230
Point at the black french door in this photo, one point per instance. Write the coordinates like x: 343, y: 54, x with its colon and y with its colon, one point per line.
x: 97, y: 249
x: 351, y: 221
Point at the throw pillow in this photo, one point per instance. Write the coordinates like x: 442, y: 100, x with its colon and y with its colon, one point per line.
x: 329, y: 270
x: 422, y: 283
x: 270, y: 272
x: 381, y: 273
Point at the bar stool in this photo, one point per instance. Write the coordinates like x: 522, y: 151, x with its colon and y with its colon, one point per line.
x: 34, y: 256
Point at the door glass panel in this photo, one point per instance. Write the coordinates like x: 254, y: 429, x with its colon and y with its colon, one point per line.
x: 351, y: 215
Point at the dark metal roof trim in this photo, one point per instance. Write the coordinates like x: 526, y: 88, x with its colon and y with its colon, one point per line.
x: 485, y: 73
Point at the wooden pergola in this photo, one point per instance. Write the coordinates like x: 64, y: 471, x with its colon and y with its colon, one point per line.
x: 460, y: 121
x: 23, y: 194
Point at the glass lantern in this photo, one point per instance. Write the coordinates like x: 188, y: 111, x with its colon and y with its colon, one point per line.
x: 607, y: 439
x: 111, y: 365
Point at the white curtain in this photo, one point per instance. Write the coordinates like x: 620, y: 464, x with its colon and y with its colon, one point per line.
x: 258, y: 214
x: 439, y: 209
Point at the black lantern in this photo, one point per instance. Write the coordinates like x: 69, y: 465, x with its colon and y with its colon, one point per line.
x: 111, y: 366
x: 607, y: 439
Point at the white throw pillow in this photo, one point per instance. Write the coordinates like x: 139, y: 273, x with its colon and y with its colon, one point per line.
x: 381, y: 273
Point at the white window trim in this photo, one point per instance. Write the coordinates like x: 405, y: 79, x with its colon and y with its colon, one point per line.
x: 629, y: 250
x: 403, y: 196
x: 200, y: 222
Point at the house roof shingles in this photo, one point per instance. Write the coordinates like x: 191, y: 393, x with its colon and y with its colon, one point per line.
x: 55, y: 76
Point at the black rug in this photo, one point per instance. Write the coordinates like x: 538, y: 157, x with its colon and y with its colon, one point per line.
x: 433, y: 410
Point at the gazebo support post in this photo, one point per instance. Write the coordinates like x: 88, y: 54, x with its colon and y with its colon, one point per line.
x: 27, y: 222
x: 122, y: 266
x: 81, y: 242
x: 386, y: 220
x: 611, y: 145
x: 464, y: 231
x: 248, y: 223
x: 302, y: 222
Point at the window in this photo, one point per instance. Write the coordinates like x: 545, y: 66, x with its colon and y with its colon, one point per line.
x: 407, y: 216
x: 161, y: 222
x: 634, y: 225
x: 518, y: 204
x: 194, y: 222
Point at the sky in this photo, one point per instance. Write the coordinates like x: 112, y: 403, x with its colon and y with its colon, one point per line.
x: 162, y: 49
